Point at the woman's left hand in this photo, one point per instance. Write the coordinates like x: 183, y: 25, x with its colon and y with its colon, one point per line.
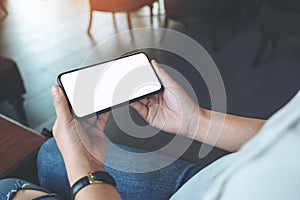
x: 81, y: 142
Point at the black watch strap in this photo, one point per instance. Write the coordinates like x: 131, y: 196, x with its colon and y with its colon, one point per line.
x: 92, y: 177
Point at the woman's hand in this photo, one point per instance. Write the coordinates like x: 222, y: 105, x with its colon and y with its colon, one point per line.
x: 81, y: 143
x: 172, y: 110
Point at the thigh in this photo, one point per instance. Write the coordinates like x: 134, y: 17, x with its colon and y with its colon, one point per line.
x: 51, y: 169
x: 159, y: 183
x: 10, y: 187
x: 145, y: 175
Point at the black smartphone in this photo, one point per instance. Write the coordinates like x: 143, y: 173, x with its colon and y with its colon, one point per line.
x: 101, y: 87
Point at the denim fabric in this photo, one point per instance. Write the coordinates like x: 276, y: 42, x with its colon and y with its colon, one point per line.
x: 10, y: 186
x: 159, y: 184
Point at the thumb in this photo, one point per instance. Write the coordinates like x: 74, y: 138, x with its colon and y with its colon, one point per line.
x: 62, y: 110
x: 165, y: 78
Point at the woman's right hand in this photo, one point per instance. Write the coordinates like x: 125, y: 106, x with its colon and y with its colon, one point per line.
x: 172, y: 110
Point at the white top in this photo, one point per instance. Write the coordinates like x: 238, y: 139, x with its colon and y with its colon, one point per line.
x: 266, y: 167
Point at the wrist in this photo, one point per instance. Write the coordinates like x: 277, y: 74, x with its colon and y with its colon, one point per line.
x: 92, y: 178
x: 76, y: 174
x: 80, y: 166
x: 198, y: 123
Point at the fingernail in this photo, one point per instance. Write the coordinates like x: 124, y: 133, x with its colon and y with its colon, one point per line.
x: 54, y: 91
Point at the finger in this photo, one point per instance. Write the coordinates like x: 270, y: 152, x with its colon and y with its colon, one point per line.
x: 165, y: 78
x: 61, y: 105
x: 141, y: 108
x: 91, y: 120
x: 144, y: 101
x: 153, y: 99
x: 102, y: 120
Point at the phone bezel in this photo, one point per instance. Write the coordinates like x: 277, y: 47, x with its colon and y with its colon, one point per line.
x: 115, y: 106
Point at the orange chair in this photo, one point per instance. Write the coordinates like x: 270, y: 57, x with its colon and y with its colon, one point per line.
x: 119, y: 6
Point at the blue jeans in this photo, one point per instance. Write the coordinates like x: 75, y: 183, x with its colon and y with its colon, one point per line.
x: 159, y: 184
x: 10, y: 186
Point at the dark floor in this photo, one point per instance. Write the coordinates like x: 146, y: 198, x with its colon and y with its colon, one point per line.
x: 48, y: 37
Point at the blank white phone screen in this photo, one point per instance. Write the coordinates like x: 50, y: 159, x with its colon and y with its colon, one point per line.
x: 102, y: 86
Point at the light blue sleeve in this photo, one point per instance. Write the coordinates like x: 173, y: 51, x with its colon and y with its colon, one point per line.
x: 266, y: 167
x: 199, y: 184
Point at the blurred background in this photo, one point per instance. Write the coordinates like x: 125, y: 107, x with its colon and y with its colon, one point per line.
x: 254, y: 43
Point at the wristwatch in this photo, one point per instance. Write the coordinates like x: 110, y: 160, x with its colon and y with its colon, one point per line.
x: 92, y: 177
